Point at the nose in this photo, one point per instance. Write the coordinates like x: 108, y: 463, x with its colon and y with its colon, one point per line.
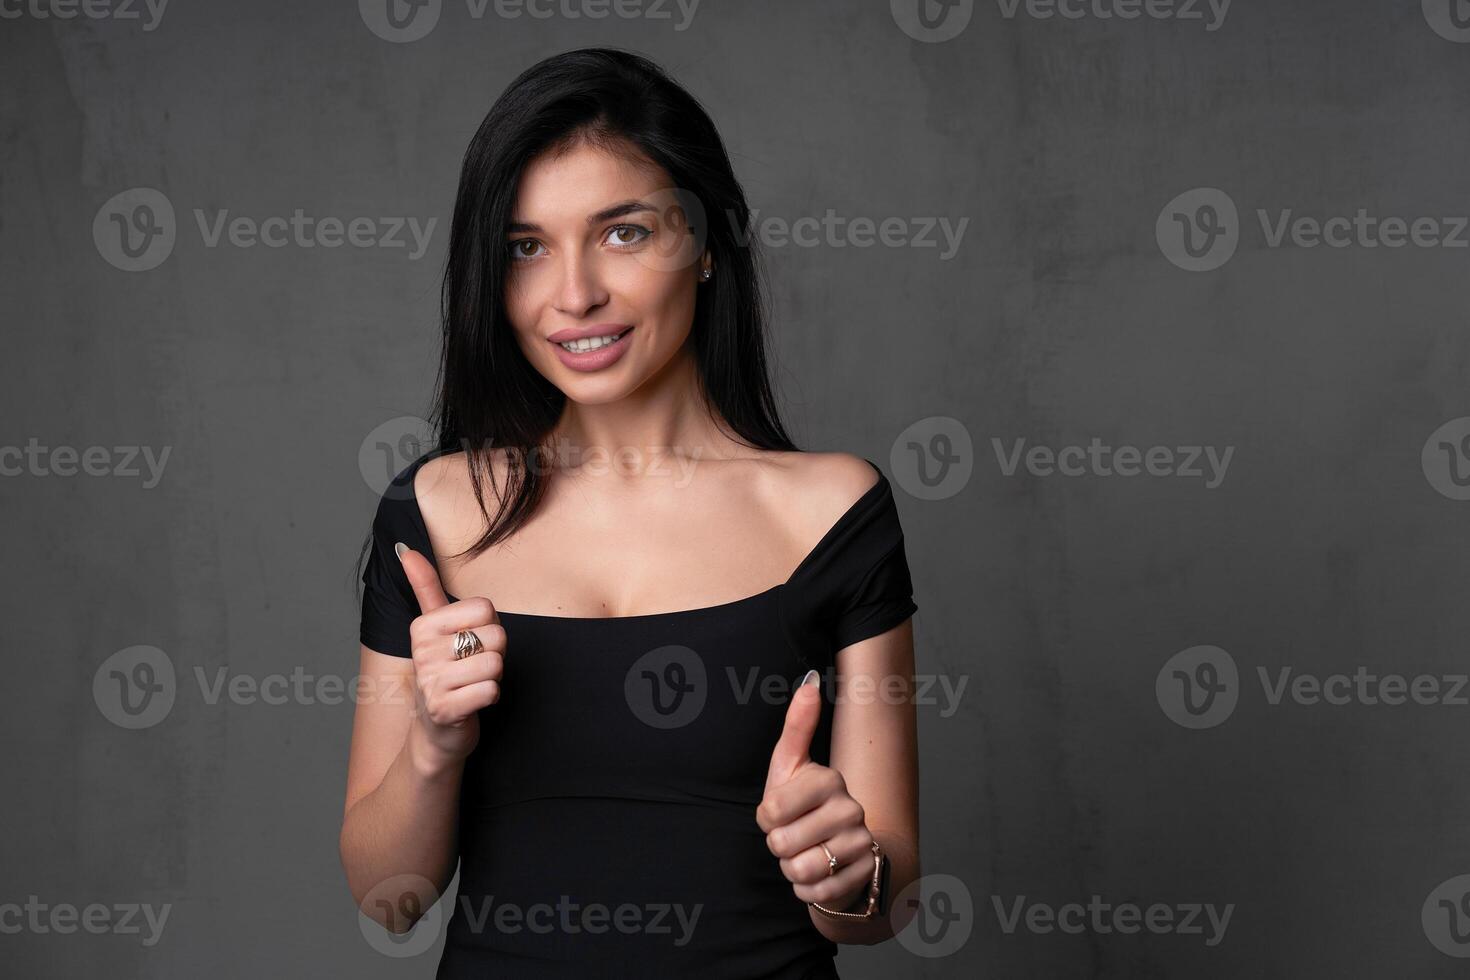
x: 580, y: 289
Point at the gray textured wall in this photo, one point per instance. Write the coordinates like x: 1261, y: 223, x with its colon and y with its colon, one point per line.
x: 1113, y: 189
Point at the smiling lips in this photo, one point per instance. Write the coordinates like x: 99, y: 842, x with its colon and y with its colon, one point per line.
x: 592, y: 348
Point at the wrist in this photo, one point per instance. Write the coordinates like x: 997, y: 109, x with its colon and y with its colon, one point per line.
x: 868, y: 900
x: 855, y: 900
x: 427, y: 762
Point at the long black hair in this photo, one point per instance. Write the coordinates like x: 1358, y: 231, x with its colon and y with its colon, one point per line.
x: 488, y: 396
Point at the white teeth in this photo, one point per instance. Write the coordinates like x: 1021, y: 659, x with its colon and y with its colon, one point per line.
x: 590, y: 343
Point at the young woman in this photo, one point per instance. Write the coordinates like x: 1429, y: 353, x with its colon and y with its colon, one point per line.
x: 602, y: 724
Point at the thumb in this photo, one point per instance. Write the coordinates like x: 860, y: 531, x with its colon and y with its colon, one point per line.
x: 793, y: 749
x: 423, y: 578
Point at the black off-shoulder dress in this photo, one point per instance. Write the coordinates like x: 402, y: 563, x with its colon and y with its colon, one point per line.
x: 607, y: 816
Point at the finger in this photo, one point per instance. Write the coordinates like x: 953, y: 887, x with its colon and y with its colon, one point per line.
x: 850, y: 847
x: 457, y: 705
x: 799, y: 795
x: 467, y: 614
x: 814, y: 826
x: 423, y: 578
x: 488, y: 665
x: 793, y: 749
x: 850, y: 880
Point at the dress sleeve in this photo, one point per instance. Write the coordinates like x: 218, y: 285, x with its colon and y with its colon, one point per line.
x: 878, y: 601
x: 854, y: 584
x: 388, y: 602
x: 876, y: 593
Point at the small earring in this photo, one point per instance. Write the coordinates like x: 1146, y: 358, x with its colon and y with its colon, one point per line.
x: 705, y: 275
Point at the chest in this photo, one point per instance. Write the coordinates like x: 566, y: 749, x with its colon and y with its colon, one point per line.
x: 600, y: 565
x: 685, y: 707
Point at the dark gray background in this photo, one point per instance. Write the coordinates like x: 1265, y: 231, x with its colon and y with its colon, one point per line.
x: 1326, y: 548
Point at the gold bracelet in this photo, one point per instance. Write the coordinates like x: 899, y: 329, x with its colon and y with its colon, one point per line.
x: 873, y: 891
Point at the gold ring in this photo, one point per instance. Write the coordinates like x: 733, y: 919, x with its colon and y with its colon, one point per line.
x: 466, y: 644
x: 831, y: 861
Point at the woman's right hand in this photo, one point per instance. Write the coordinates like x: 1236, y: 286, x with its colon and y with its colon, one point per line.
x: 449, y: 693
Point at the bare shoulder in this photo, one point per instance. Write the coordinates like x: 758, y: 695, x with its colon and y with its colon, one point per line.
x: 446, y: 497
x: 816, y: 489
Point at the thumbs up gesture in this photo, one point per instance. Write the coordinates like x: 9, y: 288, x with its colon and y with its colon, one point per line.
x: 806, y: 805
x: 449, y: 693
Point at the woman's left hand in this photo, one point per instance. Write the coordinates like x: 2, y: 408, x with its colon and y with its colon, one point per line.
x: 806, y: 805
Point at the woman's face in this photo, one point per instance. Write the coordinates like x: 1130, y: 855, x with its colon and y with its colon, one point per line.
x: 598, y: 248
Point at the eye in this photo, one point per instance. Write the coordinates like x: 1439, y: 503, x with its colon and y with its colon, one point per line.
x: 619, y: 235
x: 518, y: 252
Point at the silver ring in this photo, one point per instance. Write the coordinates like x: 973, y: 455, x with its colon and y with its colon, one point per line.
x: 831, y: 861
x: 466, y: 644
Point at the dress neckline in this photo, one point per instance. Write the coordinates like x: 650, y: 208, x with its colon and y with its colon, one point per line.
x: 878, y: 489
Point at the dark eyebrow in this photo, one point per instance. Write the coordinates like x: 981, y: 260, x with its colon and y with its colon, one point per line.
x: 606, y: 214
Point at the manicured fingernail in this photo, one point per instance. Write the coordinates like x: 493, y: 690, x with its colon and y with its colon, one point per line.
x: 400, y: 548
x: 808, y: 678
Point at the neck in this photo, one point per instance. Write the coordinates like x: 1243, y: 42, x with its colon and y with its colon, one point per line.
x: 664, y: 421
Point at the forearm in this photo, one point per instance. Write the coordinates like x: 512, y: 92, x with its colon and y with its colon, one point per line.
x: 903, y: 869
x: 408, y: 827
